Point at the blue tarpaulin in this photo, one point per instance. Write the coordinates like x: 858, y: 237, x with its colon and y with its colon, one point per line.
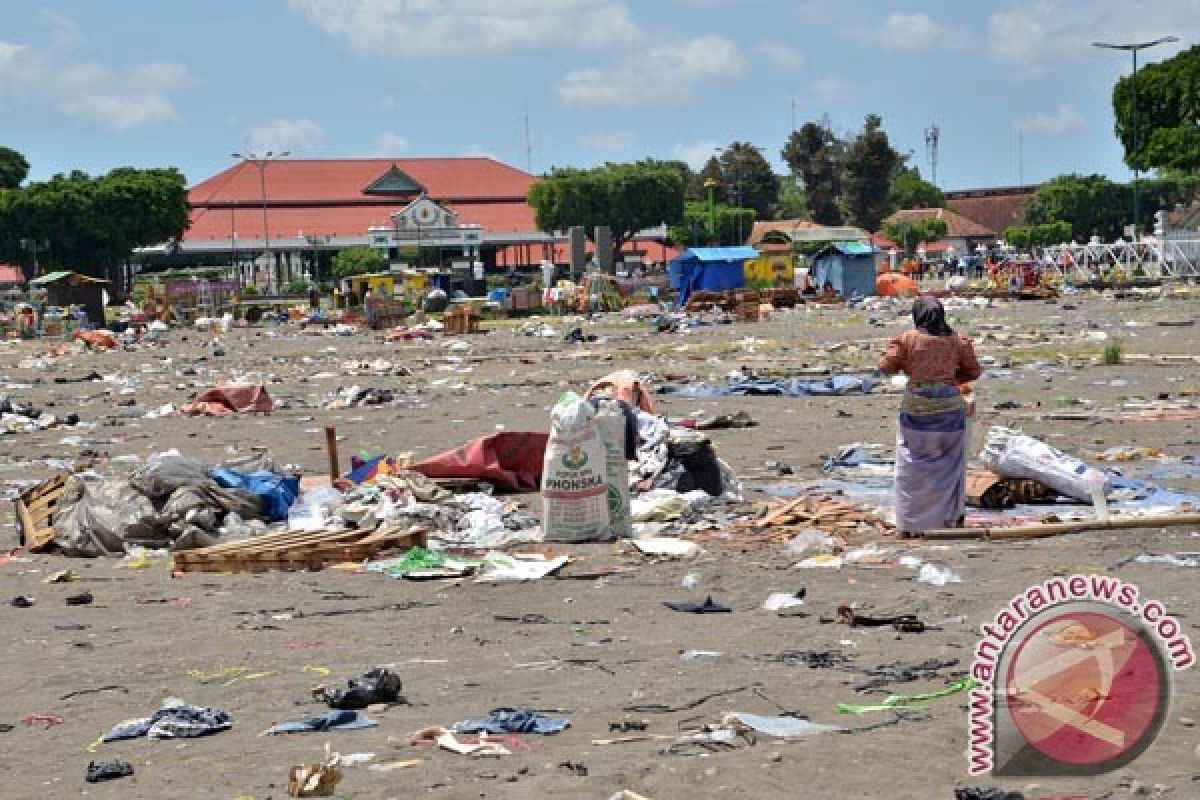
x: 712, y: 269
x: 794, y: 387
x: 277, y: 492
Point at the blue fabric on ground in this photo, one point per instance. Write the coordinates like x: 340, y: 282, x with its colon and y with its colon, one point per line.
x: 331, y: 721
x: 277, y: 492
x: 836, y: 385
x: 508, y: 720
x: 173, y: 722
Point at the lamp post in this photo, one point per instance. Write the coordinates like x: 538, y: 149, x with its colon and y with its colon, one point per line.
x: 1133, y: 48
x: 33, y: 246
x: 261, y: 162
x: 711, y: 184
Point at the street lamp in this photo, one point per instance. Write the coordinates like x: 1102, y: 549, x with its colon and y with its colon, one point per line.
x: 1133, y: 48
x: 261, y: 162
x: 33, y: 246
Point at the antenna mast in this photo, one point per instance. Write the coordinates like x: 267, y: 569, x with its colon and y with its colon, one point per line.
x: 932, y: 134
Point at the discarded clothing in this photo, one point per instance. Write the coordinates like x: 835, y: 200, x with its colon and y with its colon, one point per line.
x: 330, y: 721
x: 836, y: 385
x: 511, y: 462
x: 227, y: 399
x: 726, y: 421
x: 376, y: 686
x: 1174, y: 559
x: 509, y: 720
x: 707, y: 607
x: 175, y: 720
x: 277, y: 492
x: 931, y: 459
x: 98, y: 771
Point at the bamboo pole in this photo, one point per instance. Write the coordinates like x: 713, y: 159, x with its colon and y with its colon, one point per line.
x: 1059, y: 528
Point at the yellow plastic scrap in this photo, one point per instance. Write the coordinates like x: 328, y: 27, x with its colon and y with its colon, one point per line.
x: 253, y: 676
x: 324, y: 672
x: 200, y: 676
x: 94, y: 746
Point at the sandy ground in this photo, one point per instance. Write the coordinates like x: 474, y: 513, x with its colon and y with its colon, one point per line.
x: 606, y: 645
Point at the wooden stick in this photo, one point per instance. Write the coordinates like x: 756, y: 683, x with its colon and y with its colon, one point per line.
x: 1059, y: 528
x: 331, y: 446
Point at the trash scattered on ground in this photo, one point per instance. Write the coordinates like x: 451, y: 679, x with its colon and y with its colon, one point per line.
x: 330, y: 721
x: 709, y: 606
x: 508, y: 720
x: 379, y: 685
x: 100, y: 771
x: 175, y: 720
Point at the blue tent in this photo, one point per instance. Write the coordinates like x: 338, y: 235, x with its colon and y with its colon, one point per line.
x: 847, y: 266
x: 711, y: 269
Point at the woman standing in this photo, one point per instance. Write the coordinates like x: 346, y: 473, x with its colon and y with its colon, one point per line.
x: 931, y: 443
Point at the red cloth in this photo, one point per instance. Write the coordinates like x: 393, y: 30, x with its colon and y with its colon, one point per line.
x: 102, y: 340
x: 230, y: 399
x: 509, y: 461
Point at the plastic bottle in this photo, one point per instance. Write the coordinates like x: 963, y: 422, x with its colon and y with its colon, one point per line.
x: 1096, y: 480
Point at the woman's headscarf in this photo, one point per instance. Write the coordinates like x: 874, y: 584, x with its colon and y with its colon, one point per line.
x: 930, y: 317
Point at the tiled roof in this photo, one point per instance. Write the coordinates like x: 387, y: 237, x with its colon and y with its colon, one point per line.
x: 995, y: 209
x: 957, y: 226
x: 334, y: 179
x: 321, y: 197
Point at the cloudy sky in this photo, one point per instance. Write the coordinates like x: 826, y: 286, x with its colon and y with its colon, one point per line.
x: 93, y: 85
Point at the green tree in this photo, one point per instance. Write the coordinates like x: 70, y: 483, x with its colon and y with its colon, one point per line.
x: 792, y: 202
x: 909, y: 233
x: 353, y: 261
x: 1168, y: 114
x: 870, y: 163
x: 910, y: 190
x: 1026, y: 236
x: 697, y: 188
x: 13, y: 168
x: 733, y: 226
x: 814, y: 154
x: 748, y: 179
x: 626, y: 197
x: 1092, y: 205
x: 93, y: 224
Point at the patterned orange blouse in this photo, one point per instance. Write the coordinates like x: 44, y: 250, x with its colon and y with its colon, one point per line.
x: 926, y: 358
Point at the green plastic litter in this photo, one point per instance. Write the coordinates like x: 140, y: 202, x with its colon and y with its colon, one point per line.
x: 894, y: 701
x: 418, y: 558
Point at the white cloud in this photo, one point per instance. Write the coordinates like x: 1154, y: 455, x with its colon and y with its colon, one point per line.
x: 389, y: 143
x: 1036, y: 35
x: 279, y: 135
x: 916, y: 31
x: 780, y: 55
x: 668, y: 72
x: 829, y: 88
x: 695, y: 154
x: 608, y: 141
x: 51, y: 78
x: 423, y: 28
x: 1064, y: 119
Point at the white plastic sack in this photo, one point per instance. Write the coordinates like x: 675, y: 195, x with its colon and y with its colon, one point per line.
x: 574, y: 476
x: 610, y: 423
x: 314, y: 510
x: 1012, y: 454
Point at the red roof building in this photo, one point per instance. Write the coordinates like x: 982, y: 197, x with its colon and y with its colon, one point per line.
x: 466, y: 207
x: 11, y: 275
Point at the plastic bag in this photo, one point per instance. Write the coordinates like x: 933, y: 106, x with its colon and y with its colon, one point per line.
x: 314, y: 510
x: 1011, y: 454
